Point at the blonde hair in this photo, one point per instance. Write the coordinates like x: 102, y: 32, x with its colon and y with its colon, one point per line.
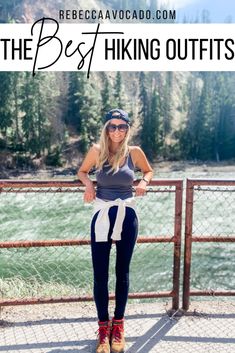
x: 104, y: 155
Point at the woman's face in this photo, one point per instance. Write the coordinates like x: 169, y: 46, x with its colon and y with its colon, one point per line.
x: 117, y: 130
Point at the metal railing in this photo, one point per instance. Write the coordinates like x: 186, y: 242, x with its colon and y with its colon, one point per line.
x: 33, y: 273
x: 210, y: 221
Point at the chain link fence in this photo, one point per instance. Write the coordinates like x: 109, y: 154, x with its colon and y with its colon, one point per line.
x: 45, y: 257
x: 209, y: 239
x: 44, y: 248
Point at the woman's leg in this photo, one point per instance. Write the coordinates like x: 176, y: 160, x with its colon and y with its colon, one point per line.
x: 125, y: 249
x: 100, y: 252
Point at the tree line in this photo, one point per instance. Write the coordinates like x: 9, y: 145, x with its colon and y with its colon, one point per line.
x: 206, y: 104
x: 188, y: 116
x: 38, y: 114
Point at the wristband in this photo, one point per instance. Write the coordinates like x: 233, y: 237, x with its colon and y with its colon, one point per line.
x: 146, y: 180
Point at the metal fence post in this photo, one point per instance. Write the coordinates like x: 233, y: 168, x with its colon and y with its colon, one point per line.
x: 177, y: 244
x: 188, y: 243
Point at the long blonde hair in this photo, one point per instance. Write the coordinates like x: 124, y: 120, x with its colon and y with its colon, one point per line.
x: 104, y: 155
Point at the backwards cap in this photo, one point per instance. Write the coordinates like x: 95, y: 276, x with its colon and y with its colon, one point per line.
x: 117, y: 114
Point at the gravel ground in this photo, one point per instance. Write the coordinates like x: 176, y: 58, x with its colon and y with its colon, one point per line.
x: 58, y: 328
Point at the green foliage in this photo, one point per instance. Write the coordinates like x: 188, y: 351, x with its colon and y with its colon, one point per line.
x: 35, y: 121
x: 90, y: 116
x: 22, y: 161
x: 106, y: 95
x: 156, y: 123
x: 6, y: 108
x: 30, y: 108
x: 84, y: 112
x: 25, y: 112
x: 209, y: 133
x: 144, y: 114
x: 76, y: 91
x: 119, y: 91
x: 3, y: 144
x: 54, y: 158
x: 152, y: 117
x: 87, y: 104
x: 166, y: 110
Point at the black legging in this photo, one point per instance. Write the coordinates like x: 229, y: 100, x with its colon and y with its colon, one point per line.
x: 100, y: 259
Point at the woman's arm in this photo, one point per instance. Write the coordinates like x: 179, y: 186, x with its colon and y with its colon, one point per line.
x: 140, y: 161
x: 87, y: 164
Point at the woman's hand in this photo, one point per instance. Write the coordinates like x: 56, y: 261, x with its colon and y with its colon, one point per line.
x: 89, y: 194
x: 87, y: 164
x: 141, y: 162
x: 141, y: 188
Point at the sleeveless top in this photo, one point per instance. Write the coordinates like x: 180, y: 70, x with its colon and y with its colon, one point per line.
x: 112, y: 186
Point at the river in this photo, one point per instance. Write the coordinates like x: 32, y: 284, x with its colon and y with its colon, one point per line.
x: 67, y: 270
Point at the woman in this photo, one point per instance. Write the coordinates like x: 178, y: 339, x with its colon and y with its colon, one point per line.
x: 114, y: 219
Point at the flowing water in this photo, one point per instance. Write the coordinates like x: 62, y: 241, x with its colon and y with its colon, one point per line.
x: 63, y: 270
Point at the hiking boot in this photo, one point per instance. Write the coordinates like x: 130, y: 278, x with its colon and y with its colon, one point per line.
x: 117, y: 336
x: 103, y: 334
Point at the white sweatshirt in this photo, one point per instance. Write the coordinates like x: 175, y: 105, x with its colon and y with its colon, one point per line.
x: 102, y: 223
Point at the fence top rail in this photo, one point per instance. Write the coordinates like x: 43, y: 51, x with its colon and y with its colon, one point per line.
x: 206, y: 182
x: 76, y: 183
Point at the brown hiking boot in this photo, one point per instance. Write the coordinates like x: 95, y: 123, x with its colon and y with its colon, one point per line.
x: 117, y: 336
x: 103, y: 345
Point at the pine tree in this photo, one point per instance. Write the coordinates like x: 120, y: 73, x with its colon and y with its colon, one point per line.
x: 167, y: 109
x: 42, y: 121
x: 209, y: 133
x: 144, y: 114
x: 38, y: 96
x: 188, y: 134
x: 119, y: 98
x: 17, y: 84
x: 204, y: 129
x: 106, y: 95
x: 90, y: 116
x: 5, y: 103
x: 155, y: 131
x: 224, y: 133
x: 29, y: 107
x: 76, y: 91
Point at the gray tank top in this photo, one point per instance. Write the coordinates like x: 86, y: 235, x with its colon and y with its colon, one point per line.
x: 118, y: 185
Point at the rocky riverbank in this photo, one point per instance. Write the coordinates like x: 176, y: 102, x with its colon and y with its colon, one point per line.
x: 162, y: 169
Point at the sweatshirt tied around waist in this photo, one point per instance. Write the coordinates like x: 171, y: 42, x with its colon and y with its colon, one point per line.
x: 102, y: 224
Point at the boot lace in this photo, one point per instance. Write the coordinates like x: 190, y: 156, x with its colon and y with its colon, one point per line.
x: 102, y: 334
x: 117, y: 332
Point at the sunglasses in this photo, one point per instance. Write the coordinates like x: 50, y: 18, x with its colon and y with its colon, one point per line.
x: 120, y: 127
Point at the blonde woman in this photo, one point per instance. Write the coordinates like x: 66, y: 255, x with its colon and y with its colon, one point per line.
x: 114, y: 220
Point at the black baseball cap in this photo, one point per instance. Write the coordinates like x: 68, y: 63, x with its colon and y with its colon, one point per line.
x: 112, y: 114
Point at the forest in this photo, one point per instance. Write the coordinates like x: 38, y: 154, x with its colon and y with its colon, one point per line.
x: 174, y: 115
